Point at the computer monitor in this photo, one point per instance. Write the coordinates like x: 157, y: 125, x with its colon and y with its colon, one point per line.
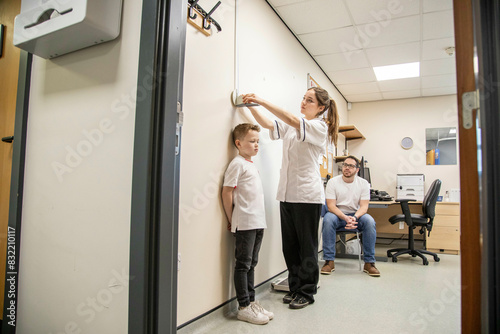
x: 364, y: 172
x: 366, y: 175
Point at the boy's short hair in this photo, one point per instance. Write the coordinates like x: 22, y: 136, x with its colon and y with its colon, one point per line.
x: 241, y: 130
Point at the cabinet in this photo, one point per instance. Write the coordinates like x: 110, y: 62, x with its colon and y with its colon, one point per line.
x: 445, y: 234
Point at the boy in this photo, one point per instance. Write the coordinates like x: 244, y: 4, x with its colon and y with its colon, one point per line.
x: 243, y: 201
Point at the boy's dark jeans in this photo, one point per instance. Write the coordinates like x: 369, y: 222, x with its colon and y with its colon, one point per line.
x: 247, y: 255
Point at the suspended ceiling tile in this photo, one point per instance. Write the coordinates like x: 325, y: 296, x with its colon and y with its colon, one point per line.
x: 394, y: 54
x: 437, y: 5
x: 399, y: 84
x: 315, y: 15
x: 277, y: 3
x: 450, y: 90
x: 352, y: 76
x: 435, y: 48
x: 364, y: 97
x: 359, y: 88
x: 438, y: 25
x: 382, y: 11
x: 403, y: 30
x: 329, y: 41
x: 404, y: 94
x: 438, y: 66
x: 443, y: 80
x: 343, y: 61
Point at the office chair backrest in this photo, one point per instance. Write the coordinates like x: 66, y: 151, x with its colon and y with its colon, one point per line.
x: 430, y: 199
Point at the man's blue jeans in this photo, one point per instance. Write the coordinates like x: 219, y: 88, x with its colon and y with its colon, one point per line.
x: 366, y: 224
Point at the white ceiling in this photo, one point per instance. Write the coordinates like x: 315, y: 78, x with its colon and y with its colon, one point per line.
x: 348, y: 37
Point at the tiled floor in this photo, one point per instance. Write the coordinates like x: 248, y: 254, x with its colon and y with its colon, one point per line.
x: 407, y: 298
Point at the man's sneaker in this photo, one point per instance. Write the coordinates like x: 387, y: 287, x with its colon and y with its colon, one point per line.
x: 257, y: 307
x: 289, y: 297
x: 299, y: 302
x: 371, y: 270
x: 249, y: 314
x: 328, y: 268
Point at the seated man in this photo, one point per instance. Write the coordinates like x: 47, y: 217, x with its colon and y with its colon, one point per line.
x: 347, y: 198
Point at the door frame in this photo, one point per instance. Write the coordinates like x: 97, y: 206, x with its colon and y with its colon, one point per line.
x: 487, y: 37
x: 16, y: 193
x: 156, y: 169
x: 470, y: 251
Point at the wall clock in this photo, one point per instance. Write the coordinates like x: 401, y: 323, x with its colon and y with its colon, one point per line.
x: 406, y: 143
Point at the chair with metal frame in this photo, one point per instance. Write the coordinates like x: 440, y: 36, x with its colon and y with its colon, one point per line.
x: 341, y: 232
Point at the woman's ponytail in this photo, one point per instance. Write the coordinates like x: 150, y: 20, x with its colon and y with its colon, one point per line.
x: 332, y: 119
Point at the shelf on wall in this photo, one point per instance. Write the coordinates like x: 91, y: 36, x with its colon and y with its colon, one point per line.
x: 350, y: 132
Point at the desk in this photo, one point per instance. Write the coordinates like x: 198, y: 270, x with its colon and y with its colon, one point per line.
x: 381, y: 211
x: 445, y: 234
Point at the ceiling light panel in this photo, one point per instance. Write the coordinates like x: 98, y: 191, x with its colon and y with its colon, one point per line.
x: 399, y: 71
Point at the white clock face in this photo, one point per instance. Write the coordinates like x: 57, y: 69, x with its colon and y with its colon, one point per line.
x: 407, y: 143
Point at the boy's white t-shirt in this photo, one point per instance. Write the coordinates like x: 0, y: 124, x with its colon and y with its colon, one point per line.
x: 348, y: 195
x: 248, y: 196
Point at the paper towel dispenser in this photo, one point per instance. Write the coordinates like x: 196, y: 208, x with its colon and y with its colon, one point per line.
x: 55, y: 27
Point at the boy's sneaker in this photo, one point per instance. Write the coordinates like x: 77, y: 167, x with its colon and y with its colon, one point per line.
x: 257, y: 307
x: 249, y: 314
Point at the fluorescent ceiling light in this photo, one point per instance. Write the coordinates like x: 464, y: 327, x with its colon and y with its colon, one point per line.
x: 400, y: 71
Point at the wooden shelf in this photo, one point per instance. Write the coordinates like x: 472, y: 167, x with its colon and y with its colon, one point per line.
x: 350, y: 132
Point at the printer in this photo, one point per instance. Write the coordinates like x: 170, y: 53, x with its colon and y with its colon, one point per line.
x: 410, y: 186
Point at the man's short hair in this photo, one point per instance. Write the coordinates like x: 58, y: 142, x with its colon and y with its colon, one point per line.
x: 241, y: 130
x: 353, y: 158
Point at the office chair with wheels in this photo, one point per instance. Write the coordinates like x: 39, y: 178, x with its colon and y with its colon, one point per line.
x: 413, y: 220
